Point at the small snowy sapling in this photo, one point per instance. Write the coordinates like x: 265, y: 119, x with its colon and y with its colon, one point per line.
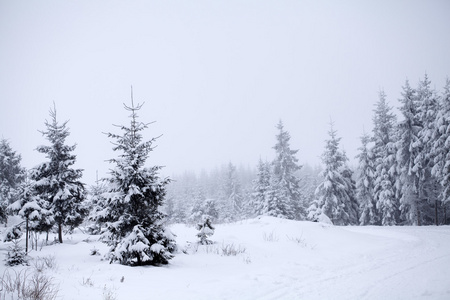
x: 16, y: 255
x: 205, y: 230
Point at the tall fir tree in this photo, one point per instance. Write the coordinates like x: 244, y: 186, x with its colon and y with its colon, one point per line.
x: 285, y: 183
x: 428, y: 187
x: 11, y: 176
x: 365, y: 184
x: 135, y: 228
x: 334, y: 197
x: 441, y: 148
x: 407, y: 152
x: 56, y: 181
x: 385, y: 167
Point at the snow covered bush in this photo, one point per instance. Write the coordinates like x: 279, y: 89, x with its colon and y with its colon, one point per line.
x: 134, y: 223
x: 16, y: 255
x: 205, y: 230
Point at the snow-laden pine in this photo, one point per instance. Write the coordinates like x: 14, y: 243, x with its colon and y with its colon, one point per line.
x: 56, y: 182
x: 285, y: 185
x: 335, y: 195
x: 135, y: 229
x: 384, y: 158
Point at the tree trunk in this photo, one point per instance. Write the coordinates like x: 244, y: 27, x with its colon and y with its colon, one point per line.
x: 418, y: 218
x: 445, y: 215
x: 60, y: 233
x: 26, y: 239
x: 436, y: 217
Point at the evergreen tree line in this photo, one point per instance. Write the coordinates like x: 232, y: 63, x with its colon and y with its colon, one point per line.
x: 404, y: 166
x: 402, y: 176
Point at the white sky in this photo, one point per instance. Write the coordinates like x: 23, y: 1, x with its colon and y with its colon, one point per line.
x: 216, y: 76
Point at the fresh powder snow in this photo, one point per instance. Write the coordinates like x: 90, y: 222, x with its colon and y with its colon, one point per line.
x: 263, y: 258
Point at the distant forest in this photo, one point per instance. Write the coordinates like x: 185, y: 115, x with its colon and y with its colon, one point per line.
x: 402, y: 176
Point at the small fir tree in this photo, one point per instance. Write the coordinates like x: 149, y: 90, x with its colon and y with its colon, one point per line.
x: 205, y: 230
x: 135, y: 228
x: 16, y: 255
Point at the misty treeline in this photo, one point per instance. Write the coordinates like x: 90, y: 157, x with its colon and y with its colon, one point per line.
x: 402, y: 178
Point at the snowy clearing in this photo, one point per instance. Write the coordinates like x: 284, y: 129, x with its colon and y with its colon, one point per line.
x: 265, y: 258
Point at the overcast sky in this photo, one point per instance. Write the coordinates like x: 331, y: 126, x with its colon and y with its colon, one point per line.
x: 216, y: 76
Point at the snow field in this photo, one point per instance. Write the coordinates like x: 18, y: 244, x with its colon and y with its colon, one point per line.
x: 275, y: 259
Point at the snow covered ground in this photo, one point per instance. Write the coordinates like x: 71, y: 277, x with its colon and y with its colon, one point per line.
x: 275, y: 259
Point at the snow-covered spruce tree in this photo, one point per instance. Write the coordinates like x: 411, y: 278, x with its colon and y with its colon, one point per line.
x: 205, y: 229
x: 56, y: 182
x: 11, y: 175
x: 30, y: 207
x: 407, y: 147
x: 334, y: 197
x: 285, y: 183
x: 441, y: 148
x: 261, y: 187
x: 428, y: 187
x: 16, y: 255
x: 384, y: 153
x: 365, y: 184
x: 134, y: 224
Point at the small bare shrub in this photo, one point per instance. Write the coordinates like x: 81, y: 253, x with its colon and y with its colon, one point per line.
x: 19, y: 285
x: 41, y: 287
x: 108, y: 294
x: 211, y: 249
x: 270, y: 237
x: 47, y: 262
x: 232, y: 250
x: 87, y: 282
x: 247, y: 260
x: 301, y: 241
